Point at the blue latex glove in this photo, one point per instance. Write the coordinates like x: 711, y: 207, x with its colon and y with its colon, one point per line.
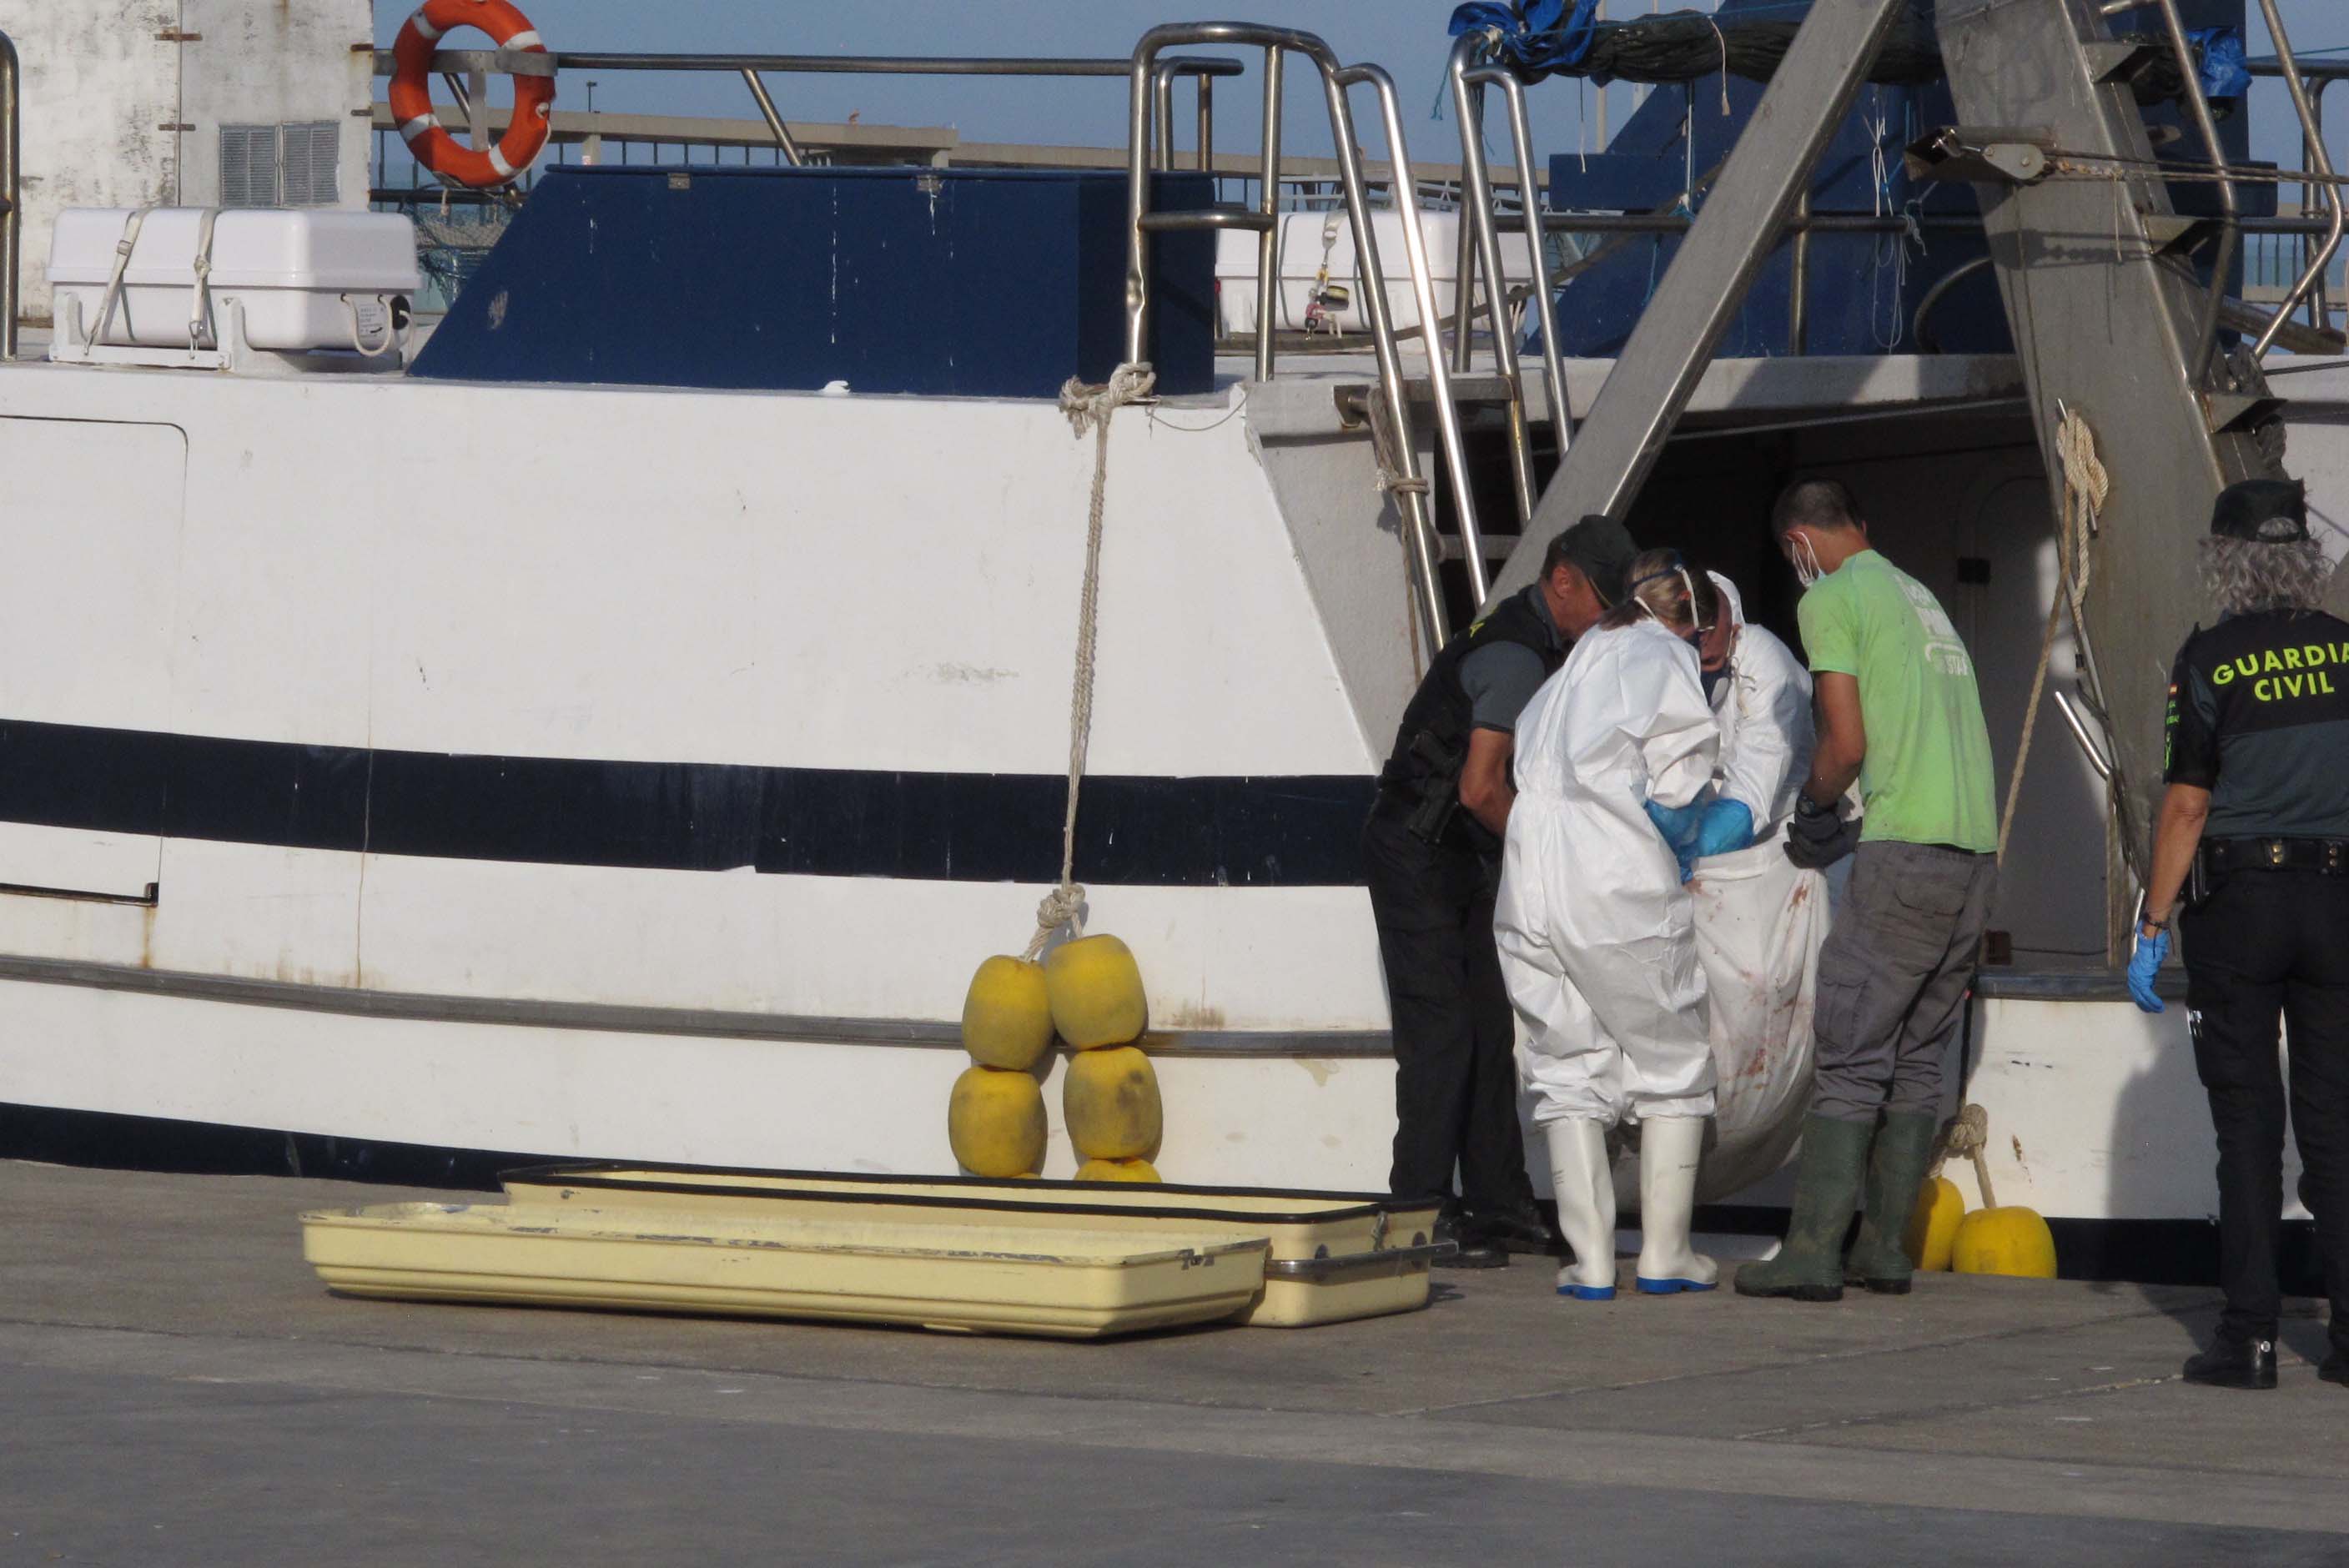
x: 1680, y: 826
x: 1726, y: 827
x: 2144, y: 964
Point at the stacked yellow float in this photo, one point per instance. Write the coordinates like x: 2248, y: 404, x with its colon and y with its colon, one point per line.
x: 1088, y: 991
x: 1993, y: 1238
x: 995, y: 1118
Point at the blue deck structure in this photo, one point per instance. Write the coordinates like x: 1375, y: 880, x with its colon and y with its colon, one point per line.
x: 940, y: 282
x: 1864, y: 287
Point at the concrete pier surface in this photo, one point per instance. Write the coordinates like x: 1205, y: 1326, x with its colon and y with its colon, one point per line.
x: 176, y: 1387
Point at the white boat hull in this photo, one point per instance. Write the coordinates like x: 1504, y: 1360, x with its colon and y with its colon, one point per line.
x: 460, y: 747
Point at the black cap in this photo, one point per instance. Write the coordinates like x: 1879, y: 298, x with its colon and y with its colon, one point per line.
x: 2263, y: 511
x: 1602, y: 548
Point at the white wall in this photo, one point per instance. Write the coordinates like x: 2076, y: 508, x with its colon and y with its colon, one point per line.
x: 107, y: 82
x: 266, y: 62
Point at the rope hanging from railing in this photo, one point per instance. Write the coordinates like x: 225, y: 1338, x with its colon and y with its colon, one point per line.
x: 2086, y: 487
x: 1089, y: 407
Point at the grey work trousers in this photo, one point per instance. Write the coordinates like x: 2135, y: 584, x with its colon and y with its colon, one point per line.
x: 1893, y: 975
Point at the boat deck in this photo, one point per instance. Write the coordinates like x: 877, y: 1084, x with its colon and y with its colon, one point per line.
x: 176, y: 1386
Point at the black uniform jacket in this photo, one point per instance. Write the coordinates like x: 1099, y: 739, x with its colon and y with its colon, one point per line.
x: 2258, y: 715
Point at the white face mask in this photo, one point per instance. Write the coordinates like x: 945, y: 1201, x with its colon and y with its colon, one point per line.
x: 1806, y: 558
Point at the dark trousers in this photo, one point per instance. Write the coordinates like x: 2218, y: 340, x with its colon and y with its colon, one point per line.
x: 1455, y: 1036
x: 1893, y: 976
x: 2269, y: 946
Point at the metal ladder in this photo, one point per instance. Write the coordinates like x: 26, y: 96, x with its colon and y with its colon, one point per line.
x: 1147, y: 123
x: 1474, y: 66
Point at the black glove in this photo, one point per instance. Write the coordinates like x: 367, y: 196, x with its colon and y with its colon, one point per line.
x: 1819, y: 837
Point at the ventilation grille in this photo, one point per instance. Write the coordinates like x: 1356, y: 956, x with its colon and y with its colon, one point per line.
x: 248, y: 166
x: 310, y: 153
x: 281, y: 165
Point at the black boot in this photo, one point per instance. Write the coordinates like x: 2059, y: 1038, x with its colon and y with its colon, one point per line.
x: 1809, y: 1267
x: 2335, y: 1368
x: 1470, y: 1250
x: 1513, y: 1230
x: 2231, y: 1362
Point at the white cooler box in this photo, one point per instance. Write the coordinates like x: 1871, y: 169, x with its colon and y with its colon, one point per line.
x: 1304, y: 237
x: 295, y: 276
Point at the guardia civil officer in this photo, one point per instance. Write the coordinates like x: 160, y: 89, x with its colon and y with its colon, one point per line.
x: 2255, y: 828
x: 1432, y: 849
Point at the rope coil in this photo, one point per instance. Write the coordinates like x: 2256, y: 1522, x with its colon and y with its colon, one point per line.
x: 1089, y: 407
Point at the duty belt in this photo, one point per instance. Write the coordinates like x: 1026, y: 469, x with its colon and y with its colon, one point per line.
x: 2325, y: 856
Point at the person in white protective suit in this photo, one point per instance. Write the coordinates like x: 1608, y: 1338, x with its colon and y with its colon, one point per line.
x: 1761, y: 697
x: 1596, y: 930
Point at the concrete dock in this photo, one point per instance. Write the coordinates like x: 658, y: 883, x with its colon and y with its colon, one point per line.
x: 176, y: 1387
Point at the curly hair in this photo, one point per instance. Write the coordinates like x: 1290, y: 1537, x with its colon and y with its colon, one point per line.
x: 2242, y: 576
x: 1666, y: 587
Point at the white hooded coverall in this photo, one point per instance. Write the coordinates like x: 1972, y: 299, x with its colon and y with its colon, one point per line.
x: 1763, y: 708
x: 1596, y: 932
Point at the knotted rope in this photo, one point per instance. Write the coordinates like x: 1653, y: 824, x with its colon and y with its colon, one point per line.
x: 1088, y: 407
x: 1968, y: 1135
x: 2086, y: 487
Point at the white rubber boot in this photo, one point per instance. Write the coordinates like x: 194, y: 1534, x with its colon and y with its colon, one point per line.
x: 1585, y: 1183
x: 1669, y: 1149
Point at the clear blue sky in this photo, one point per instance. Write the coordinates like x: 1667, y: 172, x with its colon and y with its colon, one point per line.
x: 1406, y: 36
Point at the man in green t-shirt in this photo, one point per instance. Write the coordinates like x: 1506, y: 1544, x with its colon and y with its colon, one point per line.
x: 1897, y: 711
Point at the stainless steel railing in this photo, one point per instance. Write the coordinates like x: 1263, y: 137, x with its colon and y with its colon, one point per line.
x: 2230, y: 216
x: 474, y: 65
x: 1410, y: 488
x: 11, y: 216
x: 2318, y: 77
x: 2311, y: 133
x: 1471, y: 68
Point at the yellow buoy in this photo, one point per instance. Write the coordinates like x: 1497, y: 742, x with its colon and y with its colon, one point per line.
x: 1095, y: 989
x: 995, y: 1121
x: 1007, y: 1018
x: 1933, y: 1224
x: 1118, y: 1171
x: 1110, y: 1101
x: 2008, y: 1241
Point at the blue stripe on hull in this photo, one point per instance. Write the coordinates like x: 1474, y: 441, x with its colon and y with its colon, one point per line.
x: 1286, y: 831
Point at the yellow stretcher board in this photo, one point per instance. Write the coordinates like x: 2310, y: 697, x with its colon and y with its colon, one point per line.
x: 974, y: 1278
x: 1334, y: 1255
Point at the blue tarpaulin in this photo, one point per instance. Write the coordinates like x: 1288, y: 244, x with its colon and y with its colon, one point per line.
x: 1537, y: 36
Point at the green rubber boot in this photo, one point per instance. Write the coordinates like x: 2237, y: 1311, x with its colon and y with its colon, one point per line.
x: 1827, y: 1190
x: 1896, y: 1168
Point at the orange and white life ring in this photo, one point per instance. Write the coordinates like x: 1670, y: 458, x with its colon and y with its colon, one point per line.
x: 412, y: 96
